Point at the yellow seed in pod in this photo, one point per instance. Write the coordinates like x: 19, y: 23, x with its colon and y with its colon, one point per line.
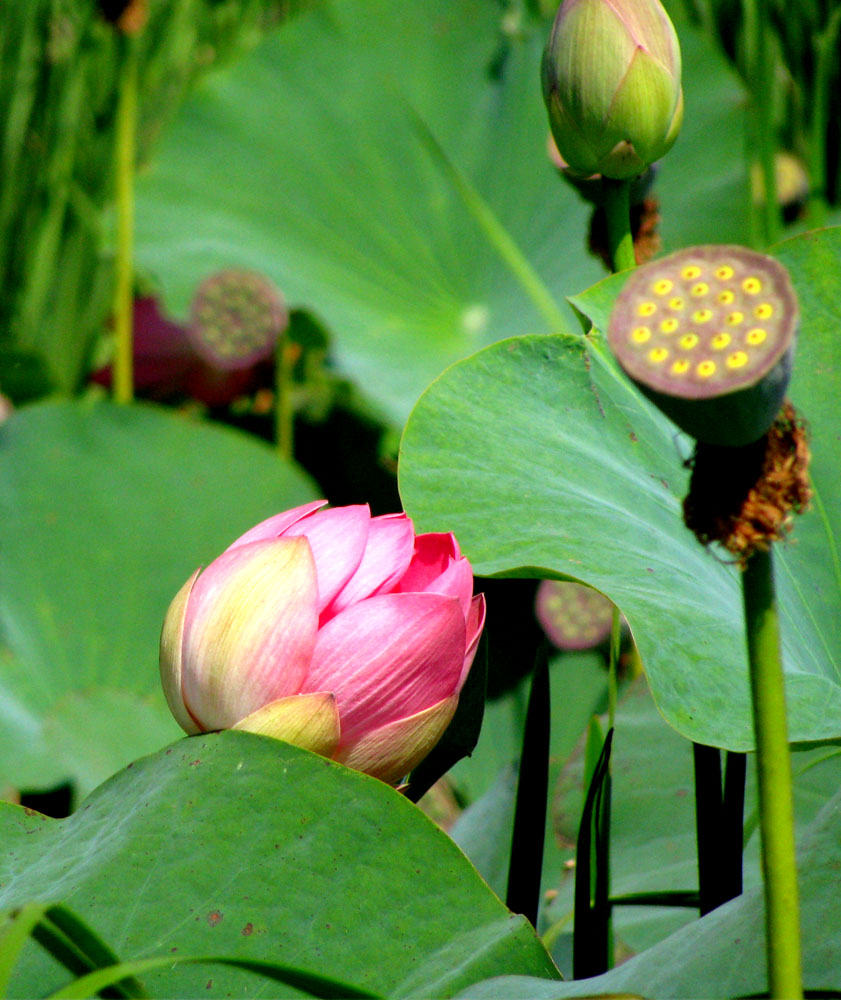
x: 706, y: 368
x: 726, y: 296
x: 669, y: 325
x: 720, y: 341
x: 735, y: 318
x: 676, y: 304
x: 756, y: 336
x: 662, y: 287
x: 646, y: 308
x: 691, y: 272
x: 658, y: 355
x: 640, y: 334
x: 764, y: 311
x: 699, y: 289
x: 738, y: 359
x: 702, y: 315
x: 753, y: 286
x: 680, y: 367
x: 724, y: 273
x: 688, y: 341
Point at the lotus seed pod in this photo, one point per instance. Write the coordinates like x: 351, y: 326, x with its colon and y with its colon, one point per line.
x: 708, y: 334
x: 236, y: 319
x: 573, y: 616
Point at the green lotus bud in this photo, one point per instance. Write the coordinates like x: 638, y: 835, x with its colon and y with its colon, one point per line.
x: 611, y: 82
x: 708, y: 334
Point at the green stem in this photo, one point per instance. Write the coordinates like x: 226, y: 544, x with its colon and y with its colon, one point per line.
x: 126, y: 128
x: 776, y: 810
x: 617, y: 210
x: 613, y: 667
x: 825, y: 46
x: 283, y: 399
x: 760, y: 70
x: 526, y: 860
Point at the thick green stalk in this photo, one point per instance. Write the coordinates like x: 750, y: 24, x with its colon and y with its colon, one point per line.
x: 776, y: 810
x: 617, y: 210
x: 283, y: 399
x: 126, y: 128
x: 526, y: 862
x: 760, y: 70
x: 825, y: 45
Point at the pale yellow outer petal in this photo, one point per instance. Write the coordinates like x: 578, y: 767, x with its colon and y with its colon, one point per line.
x: 391, y: 752
x: 172, y: 634
x: 310, y: 721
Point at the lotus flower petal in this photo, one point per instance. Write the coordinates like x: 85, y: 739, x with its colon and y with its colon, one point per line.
x: 393, y: 750
x: 389, y: 657
x: 274, y: 527
x: 172, y: 637
x: 337, y: 537
x: 388, y: 553
x: 253, y: 608
x: 310, y: 721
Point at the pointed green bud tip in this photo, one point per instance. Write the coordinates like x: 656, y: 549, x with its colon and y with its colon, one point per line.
x: 611, y: 82
x: 708, y: 334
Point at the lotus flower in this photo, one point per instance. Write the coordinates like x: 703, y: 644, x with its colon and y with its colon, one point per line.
x: 611, y: 82
x: 343, y: 633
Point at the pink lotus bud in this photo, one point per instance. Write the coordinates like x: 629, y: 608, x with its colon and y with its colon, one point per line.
x: 611, y: 82
x: 343, y: 633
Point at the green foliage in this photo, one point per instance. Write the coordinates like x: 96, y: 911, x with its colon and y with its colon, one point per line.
x: 59, y: 63
x: 226, y: 845
x: 104, y: 513
x: 395, y: 182
x: 580, y: 478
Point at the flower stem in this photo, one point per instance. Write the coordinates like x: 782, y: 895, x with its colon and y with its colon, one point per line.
x: 283, y: 399
x: 760, y: 70
x: 776, y: 810
x: 126, y: 127
x: 526, y: 864
x: 617, y: 210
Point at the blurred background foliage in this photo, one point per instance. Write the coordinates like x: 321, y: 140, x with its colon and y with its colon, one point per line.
x: 59, y: 62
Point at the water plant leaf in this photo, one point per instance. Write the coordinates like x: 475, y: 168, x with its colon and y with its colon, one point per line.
x: 104, y: 512
x: 244, y: 847
x: 581, y: 478
x: 722, y: 955
x: 396, y: 183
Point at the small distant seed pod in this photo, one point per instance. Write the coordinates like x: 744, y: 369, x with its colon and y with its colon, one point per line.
x: 573, y: 616
x: 708, y: 334
x: 236, y: 319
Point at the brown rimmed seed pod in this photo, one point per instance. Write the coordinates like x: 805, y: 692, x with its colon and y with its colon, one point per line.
x: 708, y: 334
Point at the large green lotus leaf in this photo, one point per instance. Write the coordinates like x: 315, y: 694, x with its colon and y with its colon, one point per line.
x: 723, y: 954
x: 238, y: 845
x: 546, y: 461
x: 385, y: 164
x: 104, y: 513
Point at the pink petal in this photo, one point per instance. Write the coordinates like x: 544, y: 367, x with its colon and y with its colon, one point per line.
x: 433, y: 554
x: 337, y: 537
x: 249, y: 630
x: 392, y: 751
x: 388, y: 552
x: 275, y: 526
x: 389, y: 657
x: 475, y: 624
